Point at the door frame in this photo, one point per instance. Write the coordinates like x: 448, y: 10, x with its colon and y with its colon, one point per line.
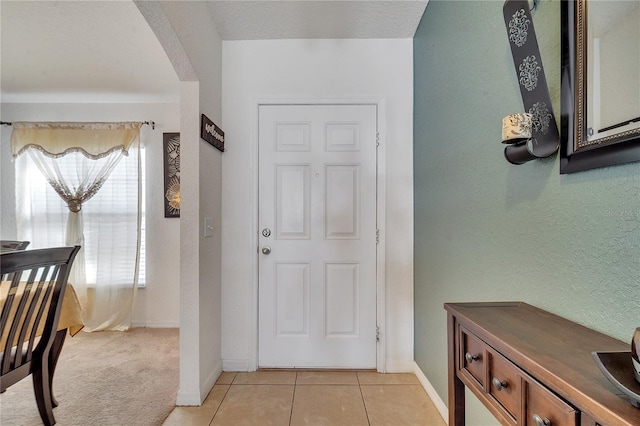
x: 379, y: 103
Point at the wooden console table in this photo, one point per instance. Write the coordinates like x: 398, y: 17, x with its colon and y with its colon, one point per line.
x: 531, y: 367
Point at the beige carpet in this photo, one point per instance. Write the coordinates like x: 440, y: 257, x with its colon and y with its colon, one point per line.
x: 106, y: 379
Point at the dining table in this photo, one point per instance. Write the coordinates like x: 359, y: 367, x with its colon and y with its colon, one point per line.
x: 70, y: 320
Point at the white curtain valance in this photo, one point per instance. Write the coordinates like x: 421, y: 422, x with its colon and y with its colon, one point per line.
x: 93, y: 140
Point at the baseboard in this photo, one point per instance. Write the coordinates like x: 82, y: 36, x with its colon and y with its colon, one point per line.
x: 191, y: 399
x: 188, y: 399
x: 235, y: 365
x: 400, y: 366
x: 208, y: 383
x: 437, y: 401
x: 155, y: 324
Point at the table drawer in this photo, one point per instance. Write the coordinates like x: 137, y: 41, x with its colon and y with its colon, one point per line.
x: 505, y: 384
x: 472, y: 356
x: 543, y: 408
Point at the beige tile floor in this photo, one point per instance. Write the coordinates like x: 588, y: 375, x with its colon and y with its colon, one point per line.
x: 335, y: 398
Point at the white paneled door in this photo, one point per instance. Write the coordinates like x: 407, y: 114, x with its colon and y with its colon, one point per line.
x: 317, y: 236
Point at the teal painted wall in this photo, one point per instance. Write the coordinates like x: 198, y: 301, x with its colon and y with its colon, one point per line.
x: 488, y: 230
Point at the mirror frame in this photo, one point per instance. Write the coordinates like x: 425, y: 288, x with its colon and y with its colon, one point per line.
x: 576, y: 152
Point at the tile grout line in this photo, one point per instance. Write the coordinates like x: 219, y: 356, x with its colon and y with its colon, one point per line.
x: 223, y: 398
x: 219, y: 405
x: 293, y: 398
x: 366, y: 412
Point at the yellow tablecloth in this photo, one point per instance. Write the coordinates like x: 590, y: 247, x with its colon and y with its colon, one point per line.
x: 70, y: 317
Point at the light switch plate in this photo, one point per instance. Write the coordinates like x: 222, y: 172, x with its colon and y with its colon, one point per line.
x: 208, y: 227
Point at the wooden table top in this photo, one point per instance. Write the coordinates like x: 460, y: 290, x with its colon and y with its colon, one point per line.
x: 554, y: 350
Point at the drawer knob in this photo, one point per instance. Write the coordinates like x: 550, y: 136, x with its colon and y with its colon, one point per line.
x: 499, y: 384
x: 539, y: 421
x: 470, y: 358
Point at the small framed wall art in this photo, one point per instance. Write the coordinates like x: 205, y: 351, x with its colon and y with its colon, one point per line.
x: 171, y: 153
x: 211, y: 133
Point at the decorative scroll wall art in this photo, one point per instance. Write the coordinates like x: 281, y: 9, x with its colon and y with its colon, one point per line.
x: 545, y: 138
x: 171, y: 150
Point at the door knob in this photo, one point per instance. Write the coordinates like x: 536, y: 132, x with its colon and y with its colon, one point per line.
x: 266, y: 250
x: 266, y: 232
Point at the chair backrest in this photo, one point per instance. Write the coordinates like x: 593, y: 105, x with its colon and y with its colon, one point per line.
x: 12, y: 245
x: 32, y: 290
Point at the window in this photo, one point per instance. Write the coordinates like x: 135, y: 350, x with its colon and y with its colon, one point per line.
x: 109, y: 218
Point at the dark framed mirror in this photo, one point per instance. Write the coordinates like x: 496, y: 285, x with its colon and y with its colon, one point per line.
x: 600, y: 84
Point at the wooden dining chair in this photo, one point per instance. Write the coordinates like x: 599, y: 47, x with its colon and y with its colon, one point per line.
x: 32, y: 290
x: 12, y: 245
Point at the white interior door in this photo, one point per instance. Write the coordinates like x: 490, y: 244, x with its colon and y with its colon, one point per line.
x: 317, y: 236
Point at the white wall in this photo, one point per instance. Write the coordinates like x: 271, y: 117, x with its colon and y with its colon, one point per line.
x: 157, y: 304
x: 311, y: 70
x: 192, y: 43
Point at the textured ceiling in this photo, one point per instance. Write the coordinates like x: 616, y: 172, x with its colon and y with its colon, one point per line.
x: 84, y: 51
x: 104, y: 51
